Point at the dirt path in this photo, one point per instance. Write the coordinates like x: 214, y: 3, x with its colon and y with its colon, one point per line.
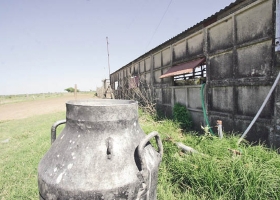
x: 26, y: 109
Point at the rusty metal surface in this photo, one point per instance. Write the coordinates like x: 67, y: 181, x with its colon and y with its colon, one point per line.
x: 183, y: 68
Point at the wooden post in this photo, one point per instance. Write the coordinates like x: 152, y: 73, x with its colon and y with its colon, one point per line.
x: 75, y: 92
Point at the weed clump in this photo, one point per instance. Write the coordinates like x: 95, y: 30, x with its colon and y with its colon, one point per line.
x: 182, y: 116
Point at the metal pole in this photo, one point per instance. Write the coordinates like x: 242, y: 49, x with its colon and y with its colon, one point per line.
x: 277, y: 28
x: 108, y: 60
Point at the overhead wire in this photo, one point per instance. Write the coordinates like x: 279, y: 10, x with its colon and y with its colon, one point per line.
x: 159, y: 24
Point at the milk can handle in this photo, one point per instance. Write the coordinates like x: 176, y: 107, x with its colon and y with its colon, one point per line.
x: 143, y: 144
x: 53, y: 130
x: 144, y: 174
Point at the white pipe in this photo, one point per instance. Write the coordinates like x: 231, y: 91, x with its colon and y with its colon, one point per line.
x: 260, y: 110
x: 220, y: 131
x: 185, y: 148
x: 220, y: 128
x: 277, y: 26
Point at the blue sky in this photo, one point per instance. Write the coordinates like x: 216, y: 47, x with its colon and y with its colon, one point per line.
x: 50, y: 45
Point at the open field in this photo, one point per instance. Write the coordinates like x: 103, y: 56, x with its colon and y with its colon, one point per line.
x: 19, y: 107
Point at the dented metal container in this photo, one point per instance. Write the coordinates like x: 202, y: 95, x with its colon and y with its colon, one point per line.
x: 102, y: 153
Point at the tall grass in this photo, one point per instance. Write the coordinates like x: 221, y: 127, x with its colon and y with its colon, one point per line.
x: 216, y: 172
x: 213, y: 173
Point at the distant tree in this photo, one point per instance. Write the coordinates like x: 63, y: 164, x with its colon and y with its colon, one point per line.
x: 70, y: 89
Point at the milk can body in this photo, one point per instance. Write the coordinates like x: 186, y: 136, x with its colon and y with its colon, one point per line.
x: 102, y: 153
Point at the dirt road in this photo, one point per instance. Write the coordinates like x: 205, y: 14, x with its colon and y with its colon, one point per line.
x: 26, y: 109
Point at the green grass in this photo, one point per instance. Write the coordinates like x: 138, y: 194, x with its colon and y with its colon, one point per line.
x: 7, y: 99
x: 29, y: 140
x: 219, y: 174
x: 213, y: 173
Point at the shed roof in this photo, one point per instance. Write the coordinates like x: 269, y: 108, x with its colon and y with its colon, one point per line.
x: 183, y: 68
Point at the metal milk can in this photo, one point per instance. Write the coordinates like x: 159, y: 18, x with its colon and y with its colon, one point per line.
x: 102, y: 153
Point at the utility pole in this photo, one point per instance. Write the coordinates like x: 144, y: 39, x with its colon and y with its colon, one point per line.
x: 109, y: 89
x: 108, y: 60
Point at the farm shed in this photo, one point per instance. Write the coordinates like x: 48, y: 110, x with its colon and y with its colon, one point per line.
x: 234, y: 53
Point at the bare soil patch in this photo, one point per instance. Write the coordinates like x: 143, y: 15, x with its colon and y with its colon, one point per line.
x: 26, y: 109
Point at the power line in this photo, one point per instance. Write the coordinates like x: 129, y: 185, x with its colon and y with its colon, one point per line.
x: 158, y: 24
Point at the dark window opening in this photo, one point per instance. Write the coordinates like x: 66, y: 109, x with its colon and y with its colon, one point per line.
x: 188, y: 73
x: 197, y: 76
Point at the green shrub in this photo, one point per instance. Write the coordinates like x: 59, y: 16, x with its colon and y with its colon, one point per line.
x: 71, y: 89
x: 182, y: 116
